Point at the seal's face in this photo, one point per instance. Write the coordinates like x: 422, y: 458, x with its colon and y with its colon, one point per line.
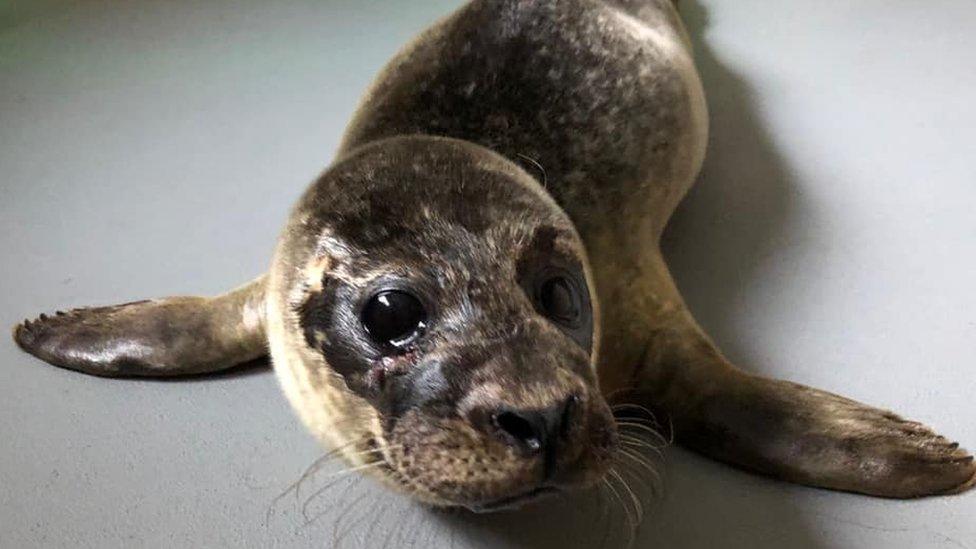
x: 448, y: 302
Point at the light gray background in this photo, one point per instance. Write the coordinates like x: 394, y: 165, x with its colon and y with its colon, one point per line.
x: 154, y: 148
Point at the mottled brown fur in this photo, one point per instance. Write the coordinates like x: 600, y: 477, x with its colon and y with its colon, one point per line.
x: 511, y: 137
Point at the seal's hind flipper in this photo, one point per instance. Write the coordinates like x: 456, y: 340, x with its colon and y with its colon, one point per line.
x: 784, y: 429
x: 164, y: 337
x: 813, y: 437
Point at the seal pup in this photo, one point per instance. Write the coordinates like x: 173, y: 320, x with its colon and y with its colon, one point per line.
x: 452, y: 303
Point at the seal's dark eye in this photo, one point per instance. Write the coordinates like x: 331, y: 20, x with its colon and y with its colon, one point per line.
x: 394, y: 317
x: 559, y: 300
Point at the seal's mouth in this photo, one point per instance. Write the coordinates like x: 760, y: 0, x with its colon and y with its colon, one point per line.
x: 513, y: 502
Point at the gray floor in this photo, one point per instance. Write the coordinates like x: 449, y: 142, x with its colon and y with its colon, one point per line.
x: 154, y: 148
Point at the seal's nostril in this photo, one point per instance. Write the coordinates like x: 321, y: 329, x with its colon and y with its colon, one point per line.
x: 526, y: 430
x: 535, y: 431
x: 568, y: 412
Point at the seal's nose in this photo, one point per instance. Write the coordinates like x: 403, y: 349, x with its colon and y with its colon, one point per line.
x: 535, y: 431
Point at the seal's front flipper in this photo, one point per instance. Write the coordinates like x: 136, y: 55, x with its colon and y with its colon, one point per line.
x: 783, y: 429
x: 164, y: 337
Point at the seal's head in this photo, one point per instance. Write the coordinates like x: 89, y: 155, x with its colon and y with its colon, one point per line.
x: 431, y: 313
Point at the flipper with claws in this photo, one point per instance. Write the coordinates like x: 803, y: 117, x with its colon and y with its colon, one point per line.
x: 785, y: 429
x: 164, y: 337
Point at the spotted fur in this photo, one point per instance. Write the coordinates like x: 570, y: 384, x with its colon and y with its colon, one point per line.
x: 513, y: 136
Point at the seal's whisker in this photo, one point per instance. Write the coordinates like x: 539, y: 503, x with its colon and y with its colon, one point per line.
x: 643, y: 428
x: 336, y: 452
x: 632, y: 517
x: 635, y: 442
x: 309, y: 521
x: 646, y: 465
x: 632, y: 442
x: 338, y: 536
x: 631, y: 524
x: 631, y: 420
x: 616, y: 495
x: 317, y: 465
x: 376, y: 450
x: 337, y: 476
x: 637, y: 484
x: 636, y: 419
x: 309, y: 472
x: 642, y: 450
x: 367, y: 511
x: 375, y: 525
x: 647, y: 475
x: 632, y: 406
x: 605, y: 517
x: 638, y: 508
x: 670, y: 430
x: 643, y: 436
x: 394, y: 530
x: 621, y: 414
x: 545, y: 176
x: 638, y: 443
x: 641, y: 458
x: 627, y: 418
x: 356, y: 468
x: 643, y: 446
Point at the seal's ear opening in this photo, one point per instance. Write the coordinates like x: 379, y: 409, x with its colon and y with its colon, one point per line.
x: 153, y: 338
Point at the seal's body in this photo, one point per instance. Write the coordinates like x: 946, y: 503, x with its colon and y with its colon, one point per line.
x: 456, y: 299
x: 600, y: 101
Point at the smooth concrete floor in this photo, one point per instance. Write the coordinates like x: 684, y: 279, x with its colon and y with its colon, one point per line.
x: 151, y: 148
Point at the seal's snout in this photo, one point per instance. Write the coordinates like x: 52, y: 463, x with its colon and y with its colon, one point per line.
x: 531, y: 431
